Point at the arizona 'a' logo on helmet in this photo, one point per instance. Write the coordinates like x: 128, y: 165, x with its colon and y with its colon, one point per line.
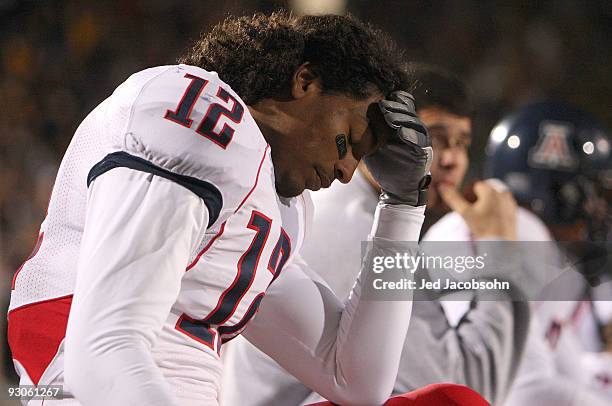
x: 553, y: 150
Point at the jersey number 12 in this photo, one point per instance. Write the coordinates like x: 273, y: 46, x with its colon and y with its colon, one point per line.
x: 182, y: 114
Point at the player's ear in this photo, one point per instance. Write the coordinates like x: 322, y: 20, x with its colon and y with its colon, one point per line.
x: 305, y: 81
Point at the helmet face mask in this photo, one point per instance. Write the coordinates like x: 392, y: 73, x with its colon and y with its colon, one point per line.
x: 557, y: 161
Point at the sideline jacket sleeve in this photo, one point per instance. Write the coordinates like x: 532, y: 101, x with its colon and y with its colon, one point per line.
x: 138, y: 237
x: 348, y: 353
x: 483, y: 351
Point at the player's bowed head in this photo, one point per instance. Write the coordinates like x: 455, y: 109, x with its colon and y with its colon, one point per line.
x: 310, y: 83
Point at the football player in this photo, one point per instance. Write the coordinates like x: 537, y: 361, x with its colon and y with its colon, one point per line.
x: 556, y: 160
x: 179, y: 202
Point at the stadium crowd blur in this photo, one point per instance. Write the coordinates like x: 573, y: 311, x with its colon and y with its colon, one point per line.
x: 60, y: 58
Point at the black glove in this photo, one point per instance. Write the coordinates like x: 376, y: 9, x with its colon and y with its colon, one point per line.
x: 401, y: 165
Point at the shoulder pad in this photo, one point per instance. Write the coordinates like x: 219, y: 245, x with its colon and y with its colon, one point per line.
x: 187, y: 121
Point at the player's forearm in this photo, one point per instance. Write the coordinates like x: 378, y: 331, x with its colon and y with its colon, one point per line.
x: 347, y: 353
x: 372, y: 332
x: 398, y: 222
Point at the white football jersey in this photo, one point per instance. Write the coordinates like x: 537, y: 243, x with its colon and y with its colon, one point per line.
x: 184, y: 125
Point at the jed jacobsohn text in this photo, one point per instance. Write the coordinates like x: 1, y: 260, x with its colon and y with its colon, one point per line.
x: 408, y: 284
x: 411, y: 263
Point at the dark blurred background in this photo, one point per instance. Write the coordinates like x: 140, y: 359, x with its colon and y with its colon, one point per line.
x: 58, y: 59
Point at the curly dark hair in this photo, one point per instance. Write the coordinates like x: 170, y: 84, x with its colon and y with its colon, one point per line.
x: 433, y: 86
x: 258, y: 55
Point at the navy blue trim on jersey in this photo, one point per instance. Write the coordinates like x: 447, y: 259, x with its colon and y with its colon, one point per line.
x: 205, y: 190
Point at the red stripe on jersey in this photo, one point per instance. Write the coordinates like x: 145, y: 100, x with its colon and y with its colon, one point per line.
x: 210, y: 243
x: 263, y: 158
x: 35, y: 332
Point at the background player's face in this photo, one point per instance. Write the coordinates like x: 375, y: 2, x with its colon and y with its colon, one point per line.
x: 451, y: 138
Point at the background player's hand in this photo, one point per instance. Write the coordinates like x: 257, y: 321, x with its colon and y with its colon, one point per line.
x: 401, y: 165
x: 493, y: 214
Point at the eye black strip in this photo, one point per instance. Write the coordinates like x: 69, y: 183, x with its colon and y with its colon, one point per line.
x: 341, y: 145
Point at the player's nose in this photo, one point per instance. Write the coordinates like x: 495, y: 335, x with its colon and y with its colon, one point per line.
x: 448, y: 157
x: 345, y: 168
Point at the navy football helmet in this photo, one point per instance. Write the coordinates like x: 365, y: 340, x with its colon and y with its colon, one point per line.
x: 557, y: 160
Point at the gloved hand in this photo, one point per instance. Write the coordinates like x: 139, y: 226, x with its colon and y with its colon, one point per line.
x: 401, y: 165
